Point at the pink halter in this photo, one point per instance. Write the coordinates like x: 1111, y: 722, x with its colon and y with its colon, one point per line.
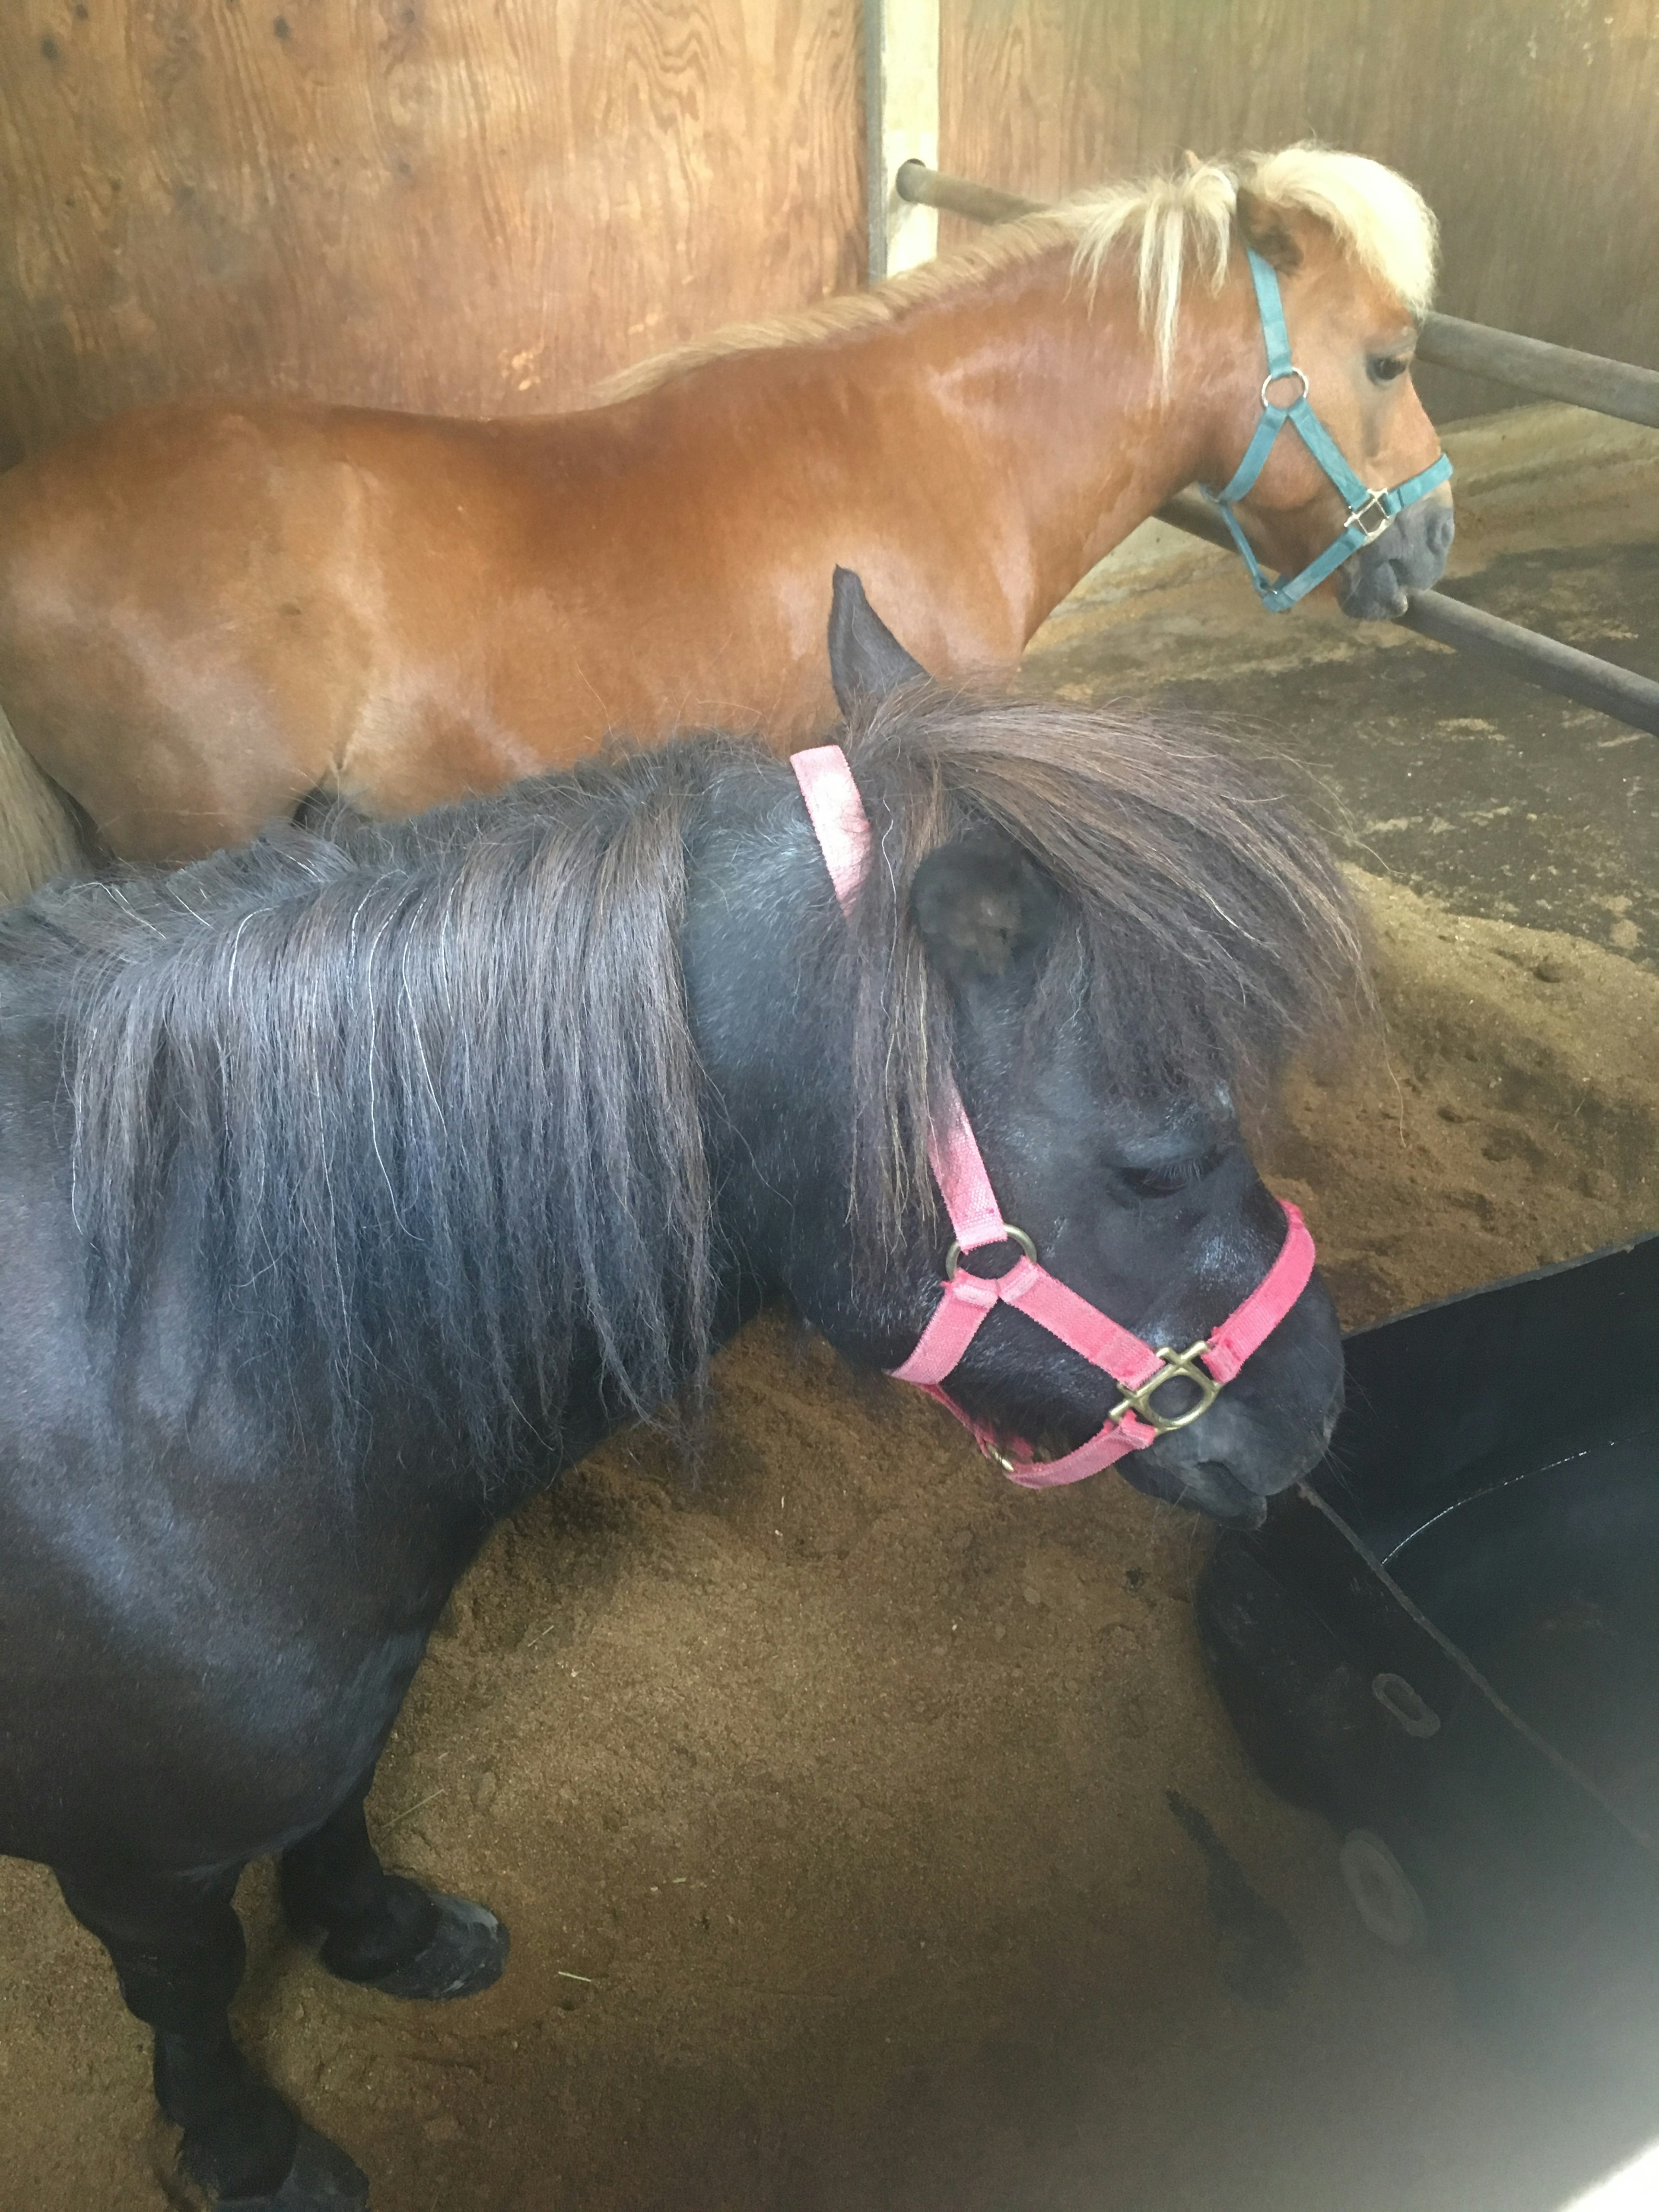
x: 843, y: 834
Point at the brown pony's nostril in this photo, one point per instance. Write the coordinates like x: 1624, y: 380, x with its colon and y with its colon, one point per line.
x: 1441, y: 530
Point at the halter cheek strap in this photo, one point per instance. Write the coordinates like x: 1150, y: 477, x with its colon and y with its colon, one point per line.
x: 1369, y: 512
x: 843, y: 834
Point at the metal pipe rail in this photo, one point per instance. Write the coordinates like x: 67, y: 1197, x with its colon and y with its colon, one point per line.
x: 924, y: 187
x: 1552, y: 371
x: 1583, y: 380
x: 1542, y: 660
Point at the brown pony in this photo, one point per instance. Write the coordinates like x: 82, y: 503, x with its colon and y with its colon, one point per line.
x: 208, y: 610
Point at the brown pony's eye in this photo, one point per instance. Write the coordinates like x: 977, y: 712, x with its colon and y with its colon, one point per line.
x: 1384, y: 368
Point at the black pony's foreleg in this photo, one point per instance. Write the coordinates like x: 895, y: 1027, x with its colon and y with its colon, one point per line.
x: 383, y: 1929
x: 177, y: 1947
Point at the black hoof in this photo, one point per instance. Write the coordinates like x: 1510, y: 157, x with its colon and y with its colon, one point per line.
x: 465, y: 1954
x: 321, y: 2178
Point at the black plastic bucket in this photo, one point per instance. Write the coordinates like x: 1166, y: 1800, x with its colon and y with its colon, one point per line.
x: 1448, y: 1643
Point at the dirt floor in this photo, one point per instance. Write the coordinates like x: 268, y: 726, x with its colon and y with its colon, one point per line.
x: 828, y: 1795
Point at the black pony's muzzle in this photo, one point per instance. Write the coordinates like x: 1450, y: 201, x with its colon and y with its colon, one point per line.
x: 1228, y: 1476
x: 1266, y: 1431
x: 1210, y: 1487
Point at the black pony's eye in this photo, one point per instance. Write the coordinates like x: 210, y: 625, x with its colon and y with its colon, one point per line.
x: 1171, y: 1176
x: 1384, y: 368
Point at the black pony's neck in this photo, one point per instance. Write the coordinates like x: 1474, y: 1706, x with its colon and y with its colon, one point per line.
x: 435, y: 1099
x: 766, y: 1000
x: 770, y: 983
x: 763, y: 995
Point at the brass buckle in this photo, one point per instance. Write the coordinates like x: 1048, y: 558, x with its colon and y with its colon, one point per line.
x: 1372, y: 530
x: 1172, y: 1364
x: 1009, y: 1235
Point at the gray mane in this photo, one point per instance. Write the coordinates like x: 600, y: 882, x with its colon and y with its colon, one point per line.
x: 436, y: 1084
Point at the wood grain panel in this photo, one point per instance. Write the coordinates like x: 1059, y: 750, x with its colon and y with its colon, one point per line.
x: 1532, y: 126
x: 432, y: 203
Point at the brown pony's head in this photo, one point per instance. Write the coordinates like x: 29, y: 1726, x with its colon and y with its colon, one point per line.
x: 1355, y: 275
x: 1354, y: 247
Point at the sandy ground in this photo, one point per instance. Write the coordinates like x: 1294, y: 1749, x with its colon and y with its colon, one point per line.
x: 826, y: 1792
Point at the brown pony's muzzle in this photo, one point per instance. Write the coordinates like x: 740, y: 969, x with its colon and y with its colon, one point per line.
x: 1410, y: 556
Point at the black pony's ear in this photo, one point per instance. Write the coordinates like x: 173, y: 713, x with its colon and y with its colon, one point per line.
x: 866, y: 661
x: 981, y: 907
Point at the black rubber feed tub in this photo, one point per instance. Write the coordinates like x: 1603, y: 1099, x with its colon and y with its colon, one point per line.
x: 1447, y: 1642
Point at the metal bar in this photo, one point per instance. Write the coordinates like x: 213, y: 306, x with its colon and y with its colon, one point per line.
x: 925, y: 187
x: 1554, y: 372
x: 1599, y: 684
x: 1188, y: 511
x: 1544, y: 661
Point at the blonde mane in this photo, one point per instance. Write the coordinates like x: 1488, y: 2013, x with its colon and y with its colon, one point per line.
x: 1171, y: 224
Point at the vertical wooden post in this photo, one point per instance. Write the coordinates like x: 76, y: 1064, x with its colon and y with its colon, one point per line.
x: 901, y: 106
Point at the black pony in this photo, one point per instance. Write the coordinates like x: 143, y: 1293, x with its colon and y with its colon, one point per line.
x: 354, y: 1184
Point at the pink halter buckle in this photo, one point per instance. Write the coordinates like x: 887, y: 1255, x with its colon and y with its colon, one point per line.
x: 843, y: 834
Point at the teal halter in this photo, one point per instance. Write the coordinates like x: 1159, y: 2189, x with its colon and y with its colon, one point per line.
x: 1369, y: 512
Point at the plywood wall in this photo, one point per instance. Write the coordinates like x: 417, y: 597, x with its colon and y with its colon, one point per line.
x: 485, y: 205
x: 1532, y: 126
x: 471, y: 205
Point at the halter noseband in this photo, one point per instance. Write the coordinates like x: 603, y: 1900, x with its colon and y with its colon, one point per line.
x: 843, y: 834
x: 1369, y: 512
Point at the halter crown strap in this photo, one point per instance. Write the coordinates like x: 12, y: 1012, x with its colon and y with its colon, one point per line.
x: 838, y: 818
x: 842, y: 829
x: 1369, y: 512
x: 843, y: 834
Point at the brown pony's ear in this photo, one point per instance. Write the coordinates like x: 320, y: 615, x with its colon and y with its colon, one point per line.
x: 1264, y: 227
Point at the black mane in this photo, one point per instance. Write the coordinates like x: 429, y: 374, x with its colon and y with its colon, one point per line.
x: 435, y: 1084
x: 432, y: 1089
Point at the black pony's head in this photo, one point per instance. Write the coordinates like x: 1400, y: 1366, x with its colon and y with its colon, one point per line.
x: 1114, y: 936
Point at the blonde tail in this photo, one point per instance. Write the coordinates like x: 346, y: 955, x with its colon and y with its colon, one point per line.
x: 38, y: 836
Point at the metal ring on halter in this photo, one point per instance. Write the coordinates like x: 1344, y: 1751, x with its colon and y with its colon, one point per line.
x: 998, y: 1457
x: 1373, y: 530
x: 1173, y: 1364
x: 1278, y: 376
x: 1010, y: 1235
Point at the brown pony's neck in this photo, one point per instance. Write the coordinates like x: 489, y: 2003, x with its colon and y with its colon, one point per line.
x: 1055, y: 391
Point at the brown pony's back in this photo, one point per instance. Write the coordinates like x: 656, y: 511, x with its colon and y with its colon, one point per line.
x: 208, y: 610
x: 254, y: 602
